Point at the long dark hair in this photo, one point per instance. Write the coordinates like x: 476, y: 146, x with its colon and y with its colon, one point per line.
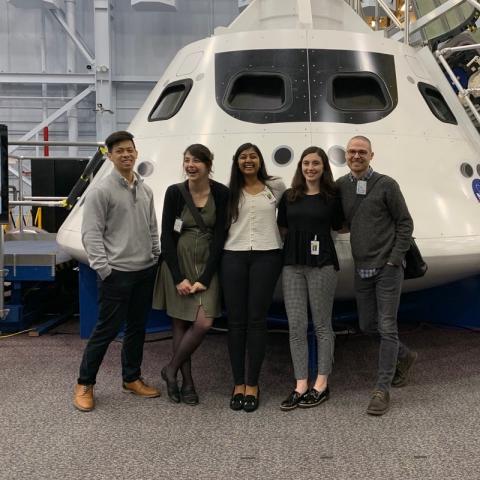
x: 237, y: 180
x: 299, y: 184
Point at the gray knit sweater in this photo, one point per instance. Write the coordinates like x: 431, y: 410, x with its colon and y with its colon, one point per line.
x: 381, y: 228
x: 119, y: 228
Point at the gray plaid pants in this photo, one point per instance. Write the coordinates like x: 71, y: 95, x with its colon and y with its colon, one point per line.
x: 303, y: 284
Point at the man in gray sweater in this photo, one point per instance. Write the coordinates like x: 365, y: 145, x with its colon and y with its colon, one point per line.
x: 380, y: 231
x: 120, y: 236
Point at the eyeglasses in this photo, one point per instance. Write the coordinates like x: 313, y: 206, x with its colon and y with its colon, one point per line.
x: 361, y: 153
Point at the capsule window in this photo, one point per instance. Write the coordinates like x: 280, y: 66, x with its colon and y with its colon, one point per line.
x: 171, y: 100
x: 257, y: 91
x: 359, y: 92
x: 437, y: 103
x: 282, y: 155
x: 336, y: 155
x: 466, y: 169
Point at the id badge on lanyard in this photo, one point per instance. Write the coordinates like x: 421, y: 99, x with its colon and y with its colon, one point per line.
x: 178, y: 225
x: 361, y: 187
x: 269, y: 195
x: 315, y: 246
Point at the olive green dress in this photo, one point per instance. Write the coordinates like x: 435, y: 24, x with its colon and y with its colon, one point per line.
x: 193, y: 250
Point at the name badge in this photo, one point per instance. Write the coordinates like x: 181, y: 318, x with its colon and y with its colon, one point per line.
x: 178, y: 225
x: 361, y: 187
x: 315, y: 246
x: 269, y: 195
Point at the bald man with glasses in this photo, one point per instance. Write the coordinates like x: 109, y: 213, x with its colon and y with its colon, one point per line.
x: 380, y: 231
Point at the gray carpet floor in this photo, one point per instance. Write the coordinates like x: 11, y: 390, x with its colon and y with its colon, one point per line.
x: 431, y: 431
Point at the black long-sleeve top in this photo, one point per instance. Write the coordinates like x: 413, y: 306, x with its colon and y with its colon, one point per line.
x: 172, y: 209
x: 310, y: 217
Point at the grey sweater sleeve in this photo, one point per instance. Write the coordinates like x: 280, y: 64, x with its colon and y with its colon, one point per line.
x: 93, y: 227
x: 403, y: 223
x: 277, y: 186
x: 154, y: 229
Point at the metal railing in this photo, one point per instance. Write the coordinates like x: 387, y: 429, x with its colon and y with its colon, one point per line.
x: 407, y: 27
x: 42, y: 201
x: 463, y: 93
x: 404, y: 30
x: 32, y: 200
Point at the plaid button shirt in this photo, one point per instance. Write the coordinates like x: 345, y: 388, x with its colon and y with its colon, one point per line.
x: 365, y: 272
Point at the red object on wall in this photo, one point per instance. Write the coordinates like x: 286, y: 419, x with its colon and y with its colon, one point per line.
x: 45, y: 139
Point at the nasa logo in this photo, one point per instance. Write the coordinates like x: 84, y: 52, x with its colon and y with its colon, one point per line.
x: 476, y: 188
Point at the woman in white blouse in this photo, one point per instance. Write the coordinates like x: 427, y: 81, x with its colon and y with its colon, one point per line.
x: 251, y: 265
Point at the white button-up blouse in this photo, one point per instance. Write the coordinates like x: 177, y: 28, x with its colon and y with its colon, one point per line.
x: 256, y: 225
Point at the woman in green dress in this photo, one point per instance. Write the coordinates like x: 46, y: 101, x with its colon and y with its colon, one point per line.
x: 187, y: 287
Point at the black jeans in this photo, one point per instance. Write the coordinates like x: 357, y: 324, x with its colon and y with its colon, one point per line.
x: 378, y: 298
x: 124, y: 298
x: 248, y: 282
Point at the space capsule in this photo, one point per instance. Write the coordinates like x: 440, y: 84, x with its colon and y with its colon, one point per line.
x: 290, y: 74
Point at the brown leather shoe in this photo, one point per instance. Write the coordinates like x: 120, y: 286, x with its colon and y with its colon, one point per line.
x: 83, y: 398
x: 404, y: 367
x: 379, y: 403
x: 138, y: 387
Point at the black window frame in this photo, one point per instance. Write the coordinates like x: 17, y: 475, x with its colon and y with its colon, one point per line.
x: 422, y: 87
x: 187, y: 83
x: 252, y: 73
x: 386, y: 94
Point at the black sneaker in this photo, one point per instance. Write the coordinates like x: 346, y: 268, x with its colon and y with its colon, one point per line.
x: 313, y: 398
x: 379, y: 402
x: 292, y: 401
x: 404, y: 366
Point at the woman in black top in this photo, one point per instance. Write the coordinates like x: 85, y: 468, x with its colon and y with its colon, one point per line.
x: 192, y: 242
x: 307, y: 213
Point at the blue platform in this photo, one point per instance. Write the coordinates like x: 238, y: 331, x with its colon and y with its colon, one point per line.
x: 30, y: 259
x: 158, y: 321
x: 456, y: 304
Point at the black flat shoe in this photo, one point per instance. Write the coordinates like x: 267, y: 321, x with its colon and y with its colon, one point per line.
x: 172, y: 387
x: 292, y: 401
x: 237, y: 400
x: 189, y: 395
x: 313, y: 398
x: 251, y: 402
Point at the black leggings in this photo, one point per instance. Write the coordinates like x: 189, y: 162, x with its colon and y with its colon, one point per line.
x: 248, y: 281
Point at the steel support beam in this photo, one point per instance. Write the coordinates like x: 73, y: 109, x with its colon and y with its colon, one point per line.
x: 53, y: 143
x: 406, y: 24
x: 42, y: 157
x: 135, y: 78
x: 74, y: 36
x: 422, y: 22
x: 67, y: 79
x: 48, y: 78
x: 105, y: 105
x: 390, y: 14
x: 58, y: 113
x: 474, y: 3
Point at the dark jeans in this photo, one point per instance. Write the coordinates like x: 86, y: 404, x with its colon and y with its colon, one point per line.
x: 124, y: 298
x: 378, y: 298
x: 248, y: 282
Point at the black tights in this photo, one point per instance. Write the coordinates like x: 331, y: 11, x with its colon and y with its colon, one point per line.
x: 187, y: 336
